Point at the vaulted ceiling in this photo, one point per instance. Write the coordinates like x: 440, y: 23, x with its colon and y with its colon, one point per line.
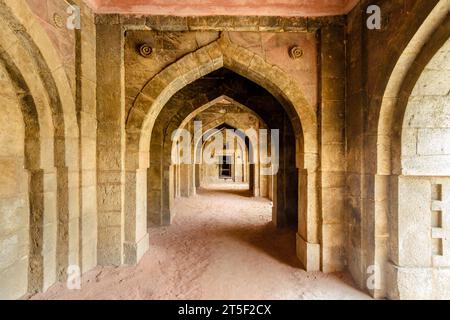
x: 301, y: 8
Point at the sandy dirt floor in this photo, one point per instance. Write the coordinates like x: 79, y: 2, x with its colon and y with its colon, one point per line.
x: 221, y: 245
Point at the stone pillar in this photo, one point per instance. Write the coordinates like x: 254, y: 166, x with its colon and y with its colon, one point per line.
x: 238, y: 165
x: 333, y: 165
x: 167, y: 194
x: 279, y: 200
x: 136, y: 238
x: 154, y: 181
x: 308, y: 247
x: 256, y: 183
x: 36, y: 276
x: 270, y: 187
x: 279, y: 212
x: 110, y: 144
x: 87, y: 119
x: 185, y: 179
x: 257, y: 171
x: 197, y: 175
x: 251, y: 179
x: 245, y: 166
x: 62, y: 241
x: 174, y: 169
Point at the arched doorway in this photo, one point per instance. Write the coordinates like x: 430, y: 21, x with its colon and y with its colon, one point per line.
x: 185, y: 102
x: 44, y: 230
x: 406, y: 193
x: 142, y: 125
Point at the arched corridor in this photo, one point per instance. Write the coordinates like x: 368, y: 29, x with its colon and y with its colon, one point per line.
x: 266, y: 150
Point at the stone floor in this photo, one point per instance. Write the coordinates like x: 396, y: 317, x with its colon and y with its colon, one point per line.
x: 221, y: 245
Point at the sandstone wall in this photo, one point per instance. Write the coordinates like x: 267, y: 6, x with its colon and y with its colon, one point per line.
x: 50, y: 67
x: 426, y: 127
x: 372, y: 56
x: 14, y: 217
x: 372, y: 186
x: 423, y: 189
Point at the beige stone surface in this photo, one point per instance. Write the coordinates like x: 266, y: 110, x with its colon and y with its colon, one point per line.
x: 425, y: 138
x: 14, y: 207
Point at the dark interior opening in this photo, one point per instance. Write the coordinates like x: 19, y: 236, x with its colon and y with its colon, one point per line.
x: 225, y: 167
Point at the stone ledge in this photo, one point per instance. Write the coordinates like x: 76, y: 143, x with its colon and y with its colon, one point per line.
x: 221, y: 23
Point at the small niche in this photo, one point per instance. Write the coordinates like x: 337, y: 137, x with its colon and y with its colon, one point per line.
x: 437, y: 247
x: 436, y: 192
x: 436, y: 219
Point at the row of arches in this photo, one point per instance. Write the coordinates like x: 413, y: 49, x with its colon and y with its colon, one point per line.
x: 40, y: 193
x: 180, y: 90
x: 39, y: 199
x: 222, y: 121
x: 385, y: 123
x: 253, y: 96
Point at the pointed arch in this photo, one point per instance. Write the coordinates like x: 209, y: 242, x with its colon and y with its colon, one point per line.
x: 218, y: 54
x: 51, y: 149
x: 427, y: 40
x: 157, y: 92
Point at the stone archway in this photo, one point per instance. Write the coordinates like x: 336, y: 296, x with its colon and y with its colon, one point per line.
x: 245, y: 143
x: 152, y: 98
x: 21, y: 202
x: 51, y: 144
x: 194, y: 97
x: 220, y: 119
x: 390, y: 255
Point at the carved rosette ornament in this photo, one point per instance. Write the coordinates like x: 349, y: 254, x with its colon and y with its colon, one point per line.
x: 145, y: 50
x: 295, y: 52
x: 58, y: 20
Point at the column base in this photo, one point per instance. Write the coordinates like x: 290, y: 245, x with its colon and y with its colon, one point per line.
x: 308, y: 254
x: 133, y: 252
x: 406, y: 283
